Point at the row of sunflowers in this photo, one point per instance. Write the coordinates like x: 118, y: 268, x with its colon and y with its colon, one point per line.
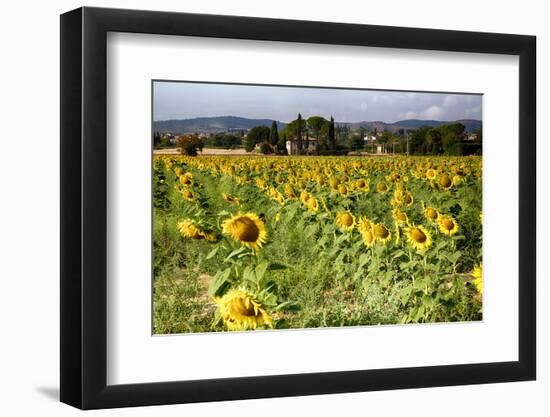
x: 287, y: 242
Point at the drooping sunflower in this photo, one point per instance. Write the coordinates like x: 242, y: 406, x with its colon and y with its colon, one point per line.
x: 240, y: 310
x: 400, y: 217
x: 231, y: 199
x: 431, y: 214
x: 381, y: 187
x: 188, y: 195
x: 365, y: 228
x: 447, y: 225
x: 477, y: 273
x: 189, y: 229
x: 418, y: 237
x: 381, y: 232
x: 362, y: 185
x: 345, y: 220
x: 445, y: 181
x: 343, y: 190
x: 186, y: 179
x: 304, y: 196
x: 313, y: 205
x: 246, y: 228
x: 408, y: 199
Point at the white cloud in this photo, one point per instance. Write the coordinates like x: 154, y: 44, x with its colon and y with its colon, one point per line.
x: 433, y: 112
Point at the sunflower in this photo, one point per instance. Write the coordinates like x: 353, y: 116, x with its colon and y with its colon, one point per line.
x: 431, y: 214
x: 400, y: 217
x: 186, y: 179
x: 418, y: 237
x: 381, y: 187
x: 343, y: 190
x: 431, y: 174
x: 333, y: 182
x: 477, y: 273
x: 188, y: 195
x: 246, y: 228
x: 189, y: 229
x: 304, y: 196
x: 445, y: 182
x: 447, y: 225
x: 365, y: 228
x: 240, y: 310
x: 381, y: 232
x: 313, y: 205
x: 362, y: 185
x: 231, y: 199
x: 345, y: 220
x: 408, y: 198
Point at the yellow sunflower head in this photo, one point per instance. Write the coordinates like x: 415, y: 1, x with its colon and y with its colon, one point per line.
x: 431, y: 214
x: 418, y: 237
x: 445, y: 181
x: 431, y: 174
x: 191, y: 230
x: 362, y: 185
x: 231, y: 199
x: 381, y: 232
x: 345, y: 220
x: 447, y: 225
x: 365, y: 228
x: 304, y: 196
x: 186, y: 179
x: 240, y: 310
x: 408, y: 199
x: 313, y: 205
x: 247, y: 229
x: 343, y: 190
x: 333, y: 182
x: 477, y: 273
x: 400, y: 217
x: 381, y: 187
x: 188, y: 194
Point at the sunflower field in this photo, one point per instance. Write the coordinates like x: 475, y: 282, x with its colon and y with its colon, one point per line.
x: 248, y: 243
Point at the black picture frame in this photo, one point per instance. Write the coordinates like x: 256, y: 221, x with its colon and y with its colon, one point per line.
x: 84, y: 207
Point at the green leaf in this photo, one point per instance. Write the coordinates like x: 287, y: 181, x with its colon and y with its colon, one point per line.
x: 212, y: 253
x: 235, y: 253
x: 220, y: 283
x: 250, y: 275
x: 398, y: 254
x: 363, y: 259
x: 260, y: 270
x: 288, y: 306
x: 275, y: 266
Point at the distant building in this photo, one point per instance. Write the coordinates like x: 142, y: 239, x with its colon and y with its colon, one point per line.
x: 472, y: 137
x: 309, y: 146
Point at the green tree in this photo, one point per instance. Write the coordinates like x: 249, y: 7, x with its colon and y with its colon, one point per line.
x: 273, y: 134
x: 294, y: 131
x: 355, y: 142
x: 257, y: 134
x: 451, y: 135
x: 189, y: 144
x: 332, y: 135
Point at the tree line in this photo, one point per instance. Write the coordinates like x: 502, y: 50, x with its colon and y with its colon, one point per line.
x: 333, y: 139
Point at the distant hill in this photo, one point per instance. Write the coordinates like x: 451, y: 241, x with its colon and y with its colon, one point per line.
x: 210, y: 124
x: 469, y: 124
x: 224, y: 123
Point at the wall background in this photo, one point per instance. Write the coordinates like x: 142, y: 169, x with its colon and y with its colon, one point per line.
x: 29, y: 213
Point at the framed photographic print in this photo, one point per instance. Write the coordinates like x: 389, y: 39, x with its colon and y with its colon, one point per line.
x: 255, y: 208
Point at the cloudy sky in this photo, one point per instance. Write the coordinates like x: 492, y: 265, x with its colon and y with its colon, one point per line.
x: 182, y: 100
